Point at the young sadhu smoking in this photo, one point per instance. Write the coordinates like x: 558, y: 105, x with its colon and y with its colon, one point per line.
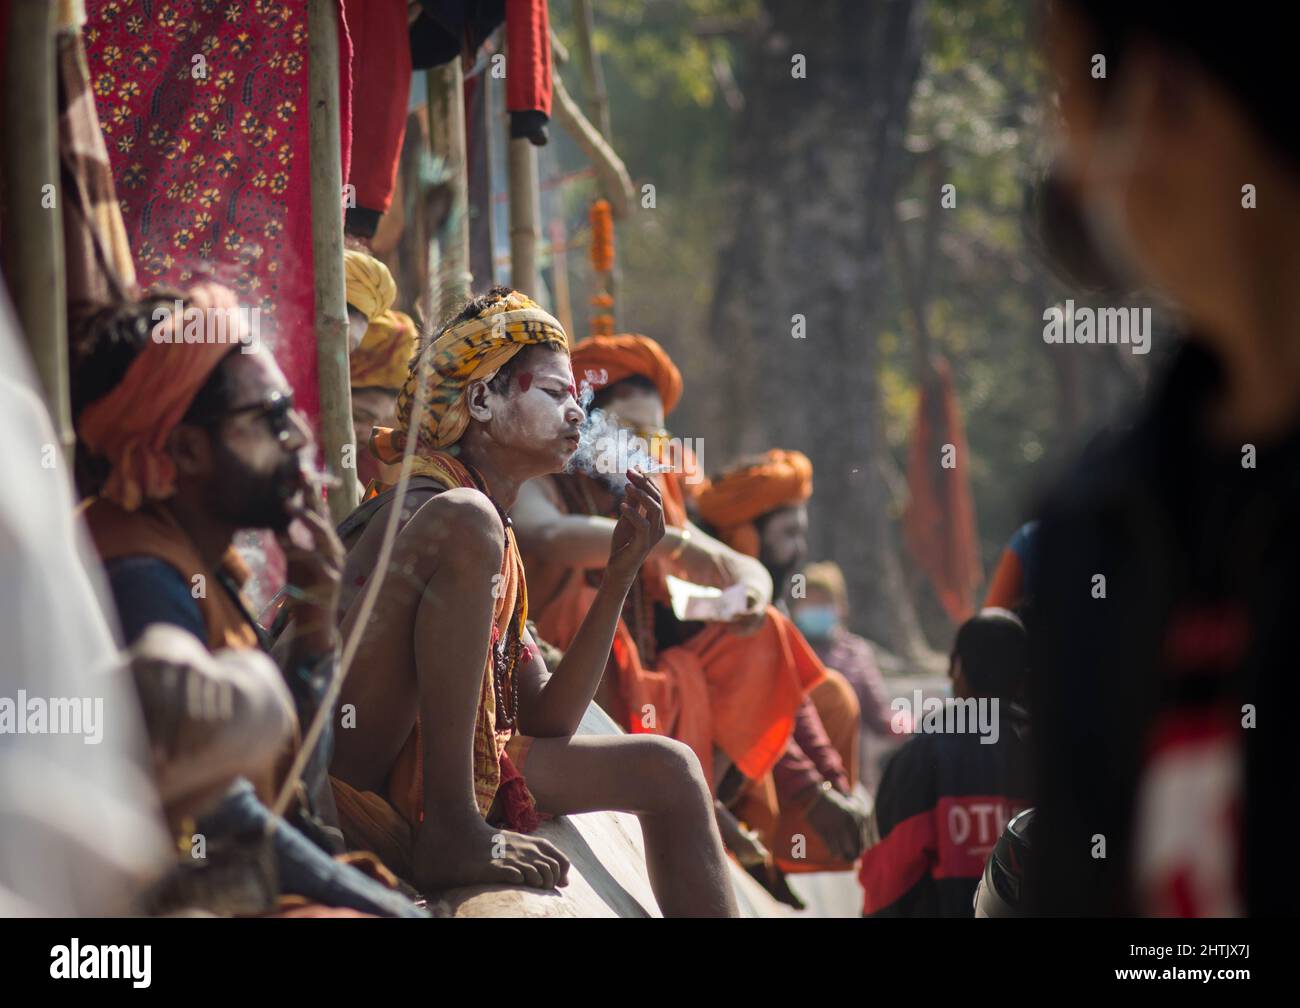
x: 460, y: 731
x: 730, y: 689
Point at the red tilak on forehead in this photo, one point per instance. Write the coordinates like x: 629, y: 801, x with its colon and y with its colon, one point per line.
x: 572, y: 391
x: 525, y: 380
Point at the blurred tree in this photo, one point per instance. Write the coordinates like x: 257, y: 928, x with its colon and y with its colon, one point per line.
x: 776, y: 196
x: 814, y: 170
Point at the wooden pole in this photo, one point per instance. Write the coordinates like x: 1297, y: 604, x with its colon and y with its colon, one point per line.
x: 447, y: 136
x: 33, y: 207
x: 560, y: 270
x: 525, y: 218
x: 491, y: 119
x: 615, y: 182
x: 592, y: 74
x: 327, y: 253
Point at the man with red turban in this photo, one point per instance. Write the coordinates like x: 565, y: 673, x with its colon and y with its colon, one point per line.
x: 759, y: 507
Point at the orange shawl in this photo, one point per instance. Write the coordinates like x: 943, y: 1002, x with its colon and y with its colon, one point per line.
x: 719, y: 688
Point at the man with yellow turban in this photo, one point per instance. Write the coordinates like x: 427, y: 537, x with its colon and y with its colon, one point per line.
x: 759, y: 507
x: 731, y: 687
x: 371, y: 291
x: 379, y: 368
x: 463, y: 738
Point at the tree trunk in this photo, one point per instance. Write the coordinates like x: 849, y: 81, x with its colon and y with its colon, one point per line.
x: 815, y: 169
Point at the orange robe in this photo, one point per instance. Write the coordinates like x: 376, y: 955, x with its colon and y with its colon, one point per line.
x: 782, y: 825
x: 718, y: 688
x: 731, y: 505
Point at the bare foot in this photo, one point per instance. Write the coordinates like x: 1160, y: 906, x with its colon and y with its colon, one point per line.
x: 448, y: 855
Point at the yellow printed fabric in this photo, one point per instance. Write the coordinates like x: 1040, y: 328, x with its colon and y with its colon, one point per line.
x: 371, y: 289
x: 383, y: 360
x: 468, y: 351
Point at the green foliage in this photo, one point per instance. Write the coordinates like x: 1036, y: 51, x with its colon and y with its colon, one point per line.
x: 672, y: 126
x: 976, y: 104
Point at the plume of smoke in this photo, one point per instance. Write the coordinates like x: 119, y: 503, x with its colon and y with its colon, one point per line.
x: 606, y: 451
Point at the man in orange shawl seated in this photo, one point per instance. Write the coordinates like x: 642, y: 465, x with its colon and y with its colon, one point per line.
x: 188, y: 435
x: 462, y: 737
x: 805, y: 809
x: 729, y: 689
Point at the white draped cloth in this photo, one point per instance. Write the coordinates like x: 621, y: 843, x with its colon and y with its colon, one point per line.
x: 80, y: 826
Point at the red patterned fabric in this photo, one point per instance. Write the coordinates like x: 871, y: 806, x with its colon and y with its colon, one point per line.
x: 203, y: 105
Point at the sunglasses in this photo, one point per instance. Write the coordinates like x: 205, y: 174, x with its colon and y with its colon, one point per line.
x: 276, y: 410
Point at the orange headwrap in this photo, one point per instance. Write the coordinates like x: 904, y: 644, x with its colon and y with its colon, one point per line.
x: 603, y: 360
x: 130, y: 425
x: 383, y: 360
x: 732, y: 502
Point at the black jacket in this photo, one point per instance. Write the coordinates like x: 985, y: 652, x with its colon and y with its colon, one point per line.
x: 1199, y: 554
x: 943, y: 802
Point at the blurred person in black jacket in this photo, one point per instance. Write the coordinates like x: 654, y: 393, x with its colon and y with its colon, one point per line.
x: 1162, y: 688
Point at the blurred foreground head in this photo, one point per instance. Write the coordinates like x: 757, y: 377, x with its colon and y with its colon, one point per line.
x: 1167, y: 111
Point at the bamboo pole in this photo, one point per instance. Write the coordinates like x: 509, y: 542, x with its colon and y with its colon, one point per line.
x: 490, y: 162
x: 446, y: 90
x: 525, y: 217
x: 592, y: 74
x: 611, y: 173
x: 33, y: 213
x: 327, y: 252
x: 560, y: 269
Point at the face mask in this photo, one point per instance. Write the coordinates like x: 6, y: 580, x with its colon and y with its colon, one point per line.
x: 816, y: 622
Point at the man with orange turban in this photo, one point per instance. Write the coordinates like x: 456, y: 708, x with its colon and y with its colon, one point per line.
x: 759, y: 507
x: 466, y: 738
x: 186, y: 442
x: 379, y: 368
x: 730, y: 687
